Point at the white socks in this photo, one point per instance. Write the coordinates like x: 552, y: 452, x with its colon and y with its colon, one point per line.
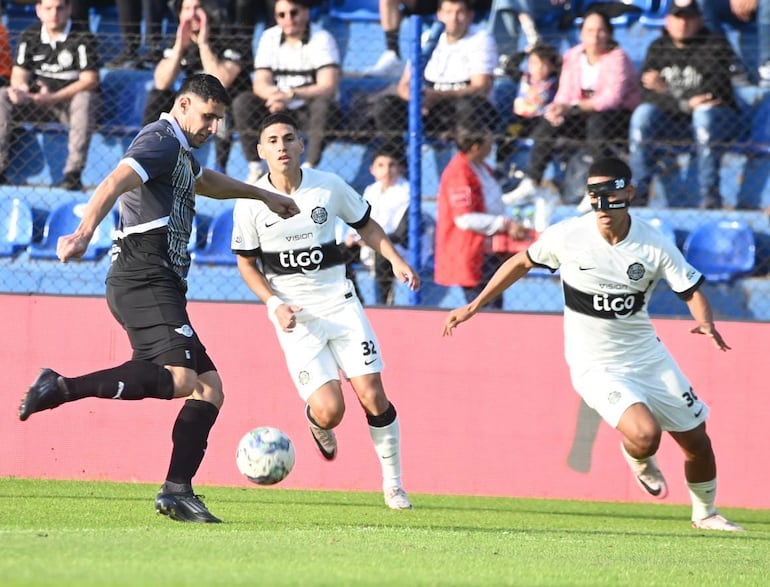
x: 703, y: 496
x: 386, y: 445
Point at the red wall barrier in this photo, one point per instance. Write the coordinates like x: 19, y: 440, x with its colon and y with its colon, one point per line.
x: 489, y: 411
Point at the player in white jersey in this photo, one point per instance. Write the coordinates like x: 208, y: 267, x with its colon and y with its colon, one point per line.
x: 297, y: 270
x: 609, y: 264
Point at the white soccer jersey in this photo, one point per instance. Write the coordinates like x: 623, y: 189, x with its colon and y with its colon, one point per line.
x: 294, y: 66
x: 299, y: 255
x: 451, y: 65
x: 607, y: 289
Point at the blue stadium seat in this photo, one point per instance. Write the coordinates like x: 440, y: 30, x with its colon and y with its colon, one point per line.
x: 664, y: 227
x: 722, y: 250
x: 124, y: 96
x: 217, y: 250
x: 16, y: 226
x: 63, y: 220
x: 355, y: 10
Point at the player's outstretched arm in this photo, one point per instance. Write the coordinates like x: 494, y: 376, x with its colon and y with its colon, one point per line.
x: 223, y: 187
x: 374, y: 236
x: 700, y: 308
x: 122, y: 179
x: 509, y: 273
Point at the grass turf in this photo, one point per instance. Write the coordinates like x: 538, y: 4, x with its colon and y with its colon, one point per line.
x: 82, y: 534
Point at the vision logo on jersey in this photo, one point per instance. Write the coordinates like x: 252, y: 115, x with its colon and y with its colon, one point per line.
x: 603, y: 305
x: 319, y: 215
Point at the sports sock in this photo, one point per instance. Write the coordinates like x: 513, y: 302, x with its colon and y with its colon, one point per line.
x: 703, y: 495
x: 190, y: 438
x: 391, y: 41
x: 386, y: 436
x: 132, y: 380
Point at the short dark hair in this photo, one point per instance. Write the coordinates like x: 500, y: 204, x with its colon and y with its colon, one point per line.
x: 276, y: 118
x: 469, y: 4
x: 390, y: 149
x: 205, y: 86
x: 467, y: 135
x: 609, y: 167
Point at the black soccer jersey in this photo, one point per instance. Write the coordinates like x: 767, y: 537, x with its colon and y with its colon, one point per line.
x: 57, y: 64
x: 156, y: 219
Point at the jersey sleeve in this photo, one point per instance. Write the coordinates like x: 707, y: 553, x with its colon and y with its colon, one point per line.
x: 681, y: 277
x: 353, y: 208
x: 155, y: 152
x: 325, y: 50
x: 545, y: 250
x: 245, y: 239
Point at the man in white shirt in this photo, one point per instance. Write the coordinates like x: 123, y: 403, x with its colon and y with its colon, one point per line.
x: 457, y: 79
x: 297, y: 69
x: 609, y: 263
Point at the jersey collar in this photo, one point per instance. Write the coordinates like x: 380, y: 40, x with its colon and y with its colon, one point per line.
x: 177, y: 130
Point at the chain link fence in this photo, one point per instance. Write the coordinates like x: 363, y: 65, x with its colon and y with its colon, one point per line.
x: 32, y: 207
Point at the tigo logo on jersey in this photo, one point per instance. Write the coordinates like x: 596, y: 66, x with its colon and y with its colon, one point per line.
x: 308, y: 260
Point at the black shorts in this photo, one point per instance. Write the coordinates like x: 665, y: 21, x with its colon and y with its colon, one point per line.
x: 153, y: 311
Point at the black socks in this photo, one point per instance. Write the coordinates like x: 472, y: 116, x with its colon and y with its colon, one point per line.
x: 190, y: 438
x: 133, y: 380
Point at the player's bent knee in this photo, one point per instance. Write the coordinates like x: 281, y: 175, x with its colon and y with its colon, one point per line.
x: 185, y: 380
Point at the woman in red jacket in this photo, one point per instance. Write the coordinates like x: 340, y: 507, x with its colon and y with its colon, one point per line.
x: 470, y: 212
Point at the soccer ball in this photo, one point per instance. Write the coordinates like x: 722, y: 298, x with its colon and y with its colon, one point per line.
x: 265, y: 455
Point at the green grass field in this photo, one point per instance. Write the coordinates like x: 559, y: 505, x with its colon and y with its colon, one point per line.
x: 80, y: 534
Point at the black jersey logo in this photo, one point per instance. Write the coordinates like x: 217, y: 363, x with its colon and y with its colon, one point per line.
x: 603, y: 305
x: 319, y: 215
x: 635, y: 271
x: 307, y: 260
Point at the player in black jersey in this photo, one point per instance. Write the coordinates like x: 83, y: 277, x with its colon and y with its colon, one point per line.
x: 156, y: 182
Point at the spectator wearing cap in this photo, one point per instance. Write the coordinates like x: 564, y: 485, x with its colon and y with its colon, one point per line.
x: 296, y: 68
x: 686, y: 94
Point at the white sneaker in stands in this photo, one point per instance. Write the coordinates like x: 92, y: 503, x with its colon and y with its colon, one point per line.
x: 388, y: 65
x: 717, y: 522
x: 525, y: 191
x: 397, y: 499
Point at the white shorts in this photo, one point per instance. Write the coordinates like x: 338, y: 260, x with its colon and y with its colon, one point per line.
x: 322, y: 345
x: 661, y: 386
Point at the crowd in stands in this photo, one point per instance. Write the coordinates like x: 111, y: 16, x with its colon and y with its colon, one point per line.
x: 577, y: 88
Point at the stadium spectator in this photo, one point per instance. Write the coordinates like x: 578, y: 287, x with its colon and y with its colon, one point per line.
x: 6, y: 56
x: 743, y: 16
x: 319, y: 321
x: 470, y: 212
x: 536, y: 90
x: 202, y: 45
x: 244, y: 14
x: 457, y: 79
x: 130, y: 13
x: 609, y: 264
x: 389, y: 197
x: 55, y: 77
x: 156, y: 183
x: 505, y: 15
x: 392, y: 12
x: 296, y: 68
x: 686, y: 94
x: 598, y: 90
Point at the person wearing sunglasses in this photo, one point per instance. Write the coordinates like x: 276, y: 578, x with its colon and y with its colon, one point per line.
x: 296, y: 69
